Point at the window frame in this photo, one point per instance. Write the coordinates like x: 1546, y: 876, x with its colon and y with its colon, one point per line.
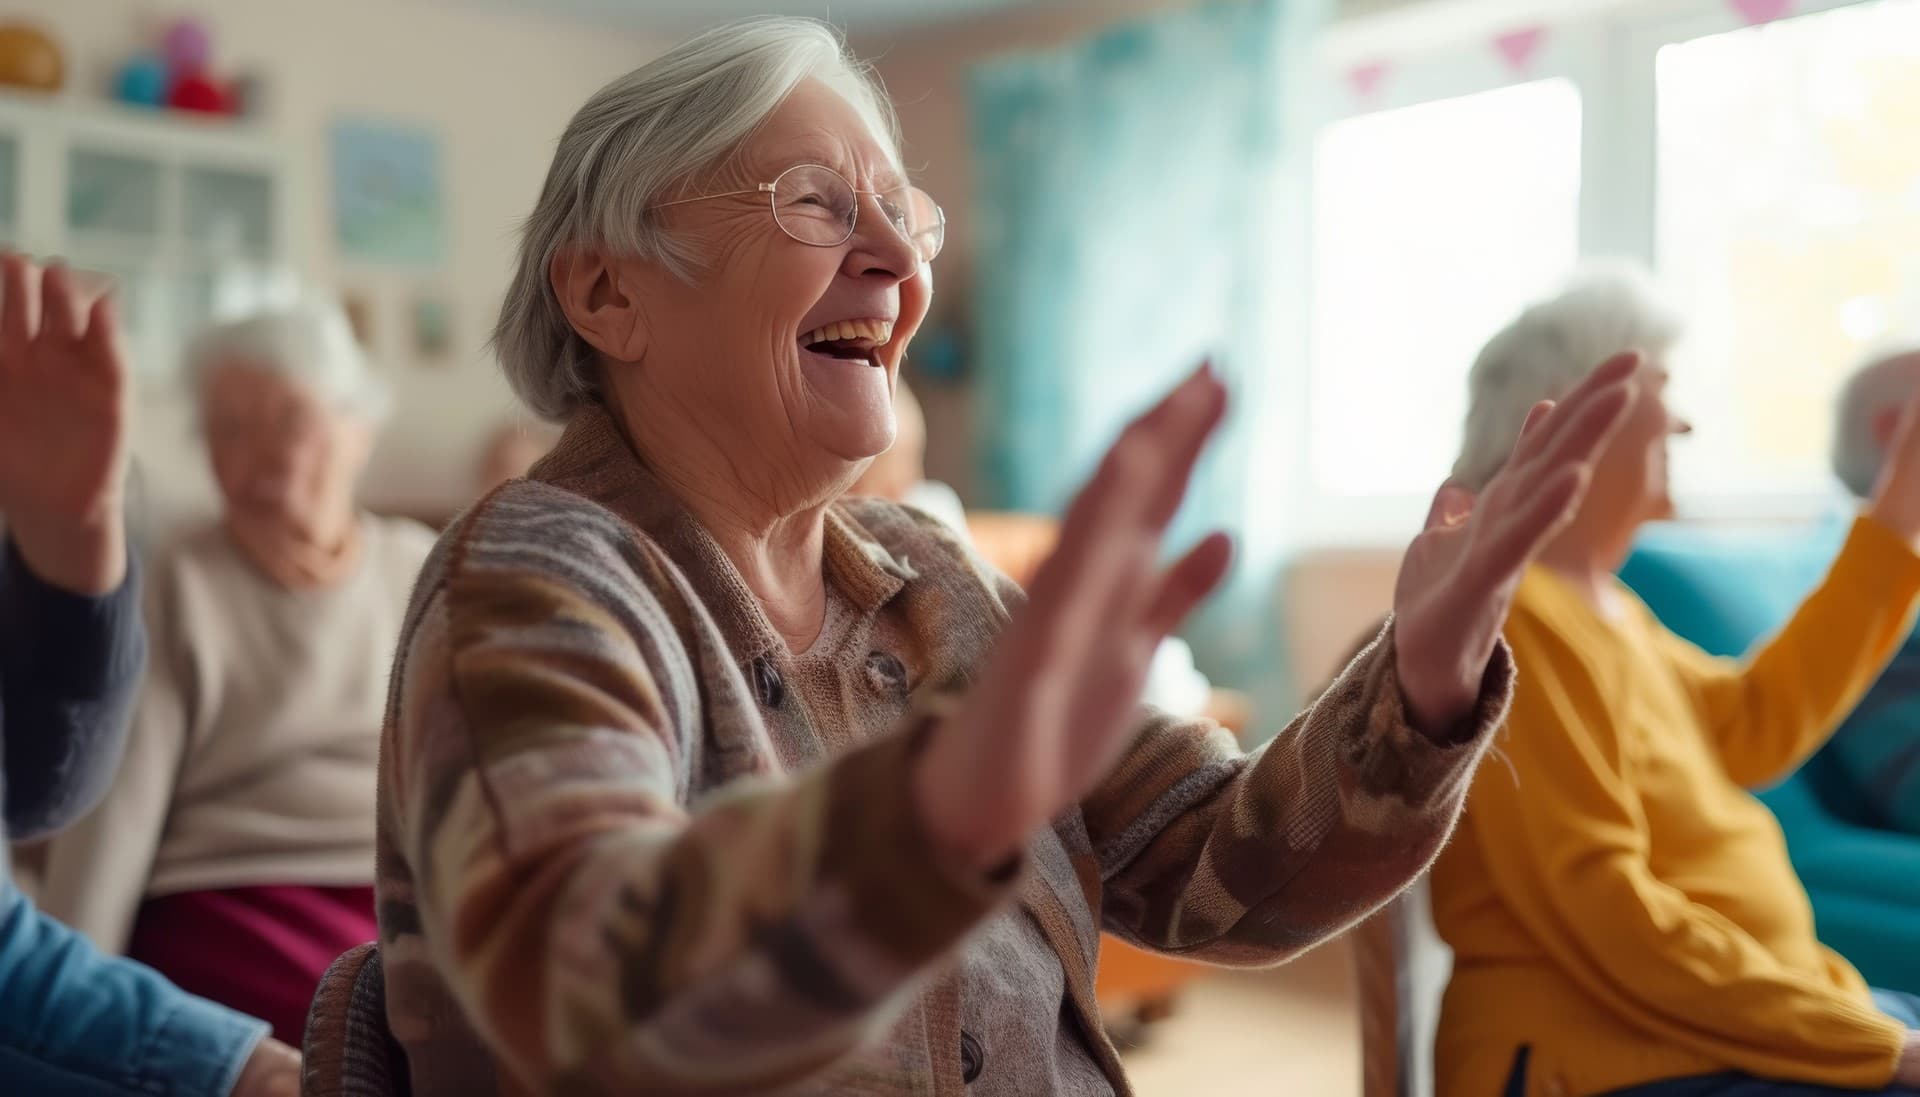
x: 1607, y: 49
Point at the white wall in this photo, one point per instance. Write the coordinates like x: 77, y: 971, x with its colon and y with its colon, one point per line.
x: 496, y: 87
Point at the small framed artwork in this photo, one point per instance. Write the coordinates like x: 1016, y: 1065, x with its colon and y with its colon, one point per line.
x: 432, y: 328
x: 388, y: 200
x: 359, y: 309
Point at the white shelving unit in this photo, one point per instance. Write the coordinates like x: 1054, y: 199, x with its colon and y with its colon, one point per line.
x: 189, y: 218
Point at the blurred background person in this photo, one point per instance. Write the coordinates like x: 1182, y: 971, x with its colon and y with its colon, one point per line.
x: 1623, y: 914
x: 234, y: 851
x: 74, y: 1022
x: 1878, y: 745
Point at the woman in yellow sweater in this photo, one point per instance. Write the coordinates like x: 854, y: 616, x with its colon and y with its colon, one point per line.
x: 1622, y: 912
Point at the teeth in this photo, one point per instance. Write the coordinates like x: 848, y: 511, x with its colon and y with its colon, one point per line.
x: 879, y: 331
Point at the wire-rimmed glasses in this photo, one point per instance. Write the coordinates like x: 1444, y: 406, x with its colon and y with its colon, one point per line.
x: 818, y: 206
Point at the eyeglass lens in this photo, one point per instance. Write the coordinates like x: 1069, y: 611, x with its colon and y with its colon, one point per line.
x: 816, y: 206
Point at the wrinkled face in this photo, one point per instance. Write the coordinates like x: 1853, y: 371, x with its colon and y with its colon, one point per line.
x: 1631, y: 479
x: 780, y: 353
x: 279, y: 453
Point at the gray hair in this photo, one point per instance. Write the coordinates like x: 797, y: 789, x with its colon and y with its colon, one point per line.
x: 311, y: 343
x: 1885, y: 379
x: 633, y: 144
x: 1545, y: 352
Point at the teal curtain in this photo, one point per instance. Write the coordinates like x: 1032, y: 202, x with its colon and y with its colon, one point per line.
x: 1138, y: 207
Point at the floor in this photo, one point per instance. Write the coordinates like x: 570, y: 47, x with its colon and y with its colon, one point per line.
x: 1292, y: 1031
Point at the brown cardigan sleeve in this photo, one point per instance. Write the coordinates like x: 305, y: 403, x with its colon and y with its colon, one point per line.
x: 1250, y: 858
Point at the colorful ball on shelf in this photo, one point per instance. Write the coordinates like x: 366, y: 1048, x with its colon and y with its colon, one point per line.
x: 29, y: 59
x: 198, y: 93
x: 142, y: 82
x: 186, y: 46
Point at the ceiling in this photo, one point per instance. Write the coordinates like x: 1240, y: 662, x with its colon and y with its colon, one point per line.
x: 682, y: 15
x: 677, y: 17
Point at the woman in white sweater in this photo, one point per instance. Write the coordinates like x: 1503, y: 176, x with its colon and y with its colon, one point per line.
x: 234, y: 851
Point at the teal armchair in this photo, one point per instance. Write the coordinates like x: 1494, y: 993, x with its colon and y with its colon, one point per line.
x: 1724, y: 590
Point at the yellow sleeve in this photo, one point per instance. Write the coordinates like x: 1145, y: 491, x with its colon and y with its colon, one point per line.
x: 1566, y: 844
x: 1768, y: 713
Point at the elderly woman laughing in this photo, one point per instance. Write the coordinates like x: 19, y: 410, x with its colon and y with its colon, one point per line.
x: 700, y: 780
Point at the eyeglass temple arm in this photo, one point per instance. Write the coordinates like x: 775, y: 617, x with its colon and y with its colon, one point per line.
x: 763, y: 188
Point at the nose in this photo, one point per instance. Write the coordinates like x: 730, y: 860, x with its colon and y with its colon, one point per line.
x: 878, y: 248
x: 1678, y: 425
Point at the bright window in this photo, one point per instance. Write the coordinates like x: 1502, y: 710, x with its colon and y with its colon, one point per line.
x: 1433, y: 225
x: 1788, y: 225
x: 1768, y: 173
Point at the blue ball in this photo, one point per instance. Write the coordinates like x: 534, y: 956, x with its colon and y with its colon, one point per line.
x: 143, y: 82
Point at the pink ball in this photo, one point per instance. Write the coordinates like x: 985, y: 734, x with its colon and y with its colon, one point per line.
x: 186, y: 46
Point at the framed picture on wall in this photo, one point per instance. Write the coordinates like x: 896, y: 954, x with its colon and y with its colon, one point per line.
x: 432, y: 328
x: 388, y: 197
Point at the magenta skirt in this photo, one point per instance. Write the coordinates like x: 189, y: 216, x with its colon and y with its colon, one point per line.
x: 260, y: 950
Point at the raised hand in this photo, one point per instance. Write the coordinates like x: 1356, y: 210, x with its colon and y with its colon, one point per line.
x: 1459, y: 575
x: 63, y: 429
x: 1896, y: 497
x: 1054, y: 710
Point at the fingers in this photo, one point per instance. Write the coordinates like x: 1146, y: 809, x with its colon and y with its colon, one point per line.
x: 102, y: 339
x: 18, y: 315
x: 1530, y: 434
x: 1537, y: 519
x: 1906, y: 434
x: 1612, y: 373
x: 1588, y: 426
x: 1187, y: 583
x: 1099, y: 582
x: 59, y: 314
x: 1142, y: 479
x: 1198, y: 417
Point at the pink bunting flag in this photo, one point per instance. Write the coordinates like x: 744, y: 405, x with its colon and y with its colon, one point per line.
x: 1518, y: 47
x: 1366, y: 78
x: 1756, y: 12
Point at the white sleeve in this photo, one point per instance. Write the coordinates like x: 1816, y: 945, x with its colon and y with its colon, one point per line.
x: 942, y: 502
x: 1174, y: 684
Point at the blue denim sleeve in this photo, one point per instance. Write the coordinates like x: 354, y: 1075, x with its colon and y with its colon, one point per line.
x: 69, y: 669
x: 77, y: 1023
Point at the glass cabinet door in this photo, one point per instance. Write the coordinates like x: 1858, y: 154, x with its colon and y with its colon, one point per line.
x: 113, y: 198
x: 228, y: 213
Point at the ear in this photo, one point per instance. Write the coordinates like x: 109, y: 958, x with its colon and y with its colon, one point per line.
x: 1885, y: 422
x: 599, y: 302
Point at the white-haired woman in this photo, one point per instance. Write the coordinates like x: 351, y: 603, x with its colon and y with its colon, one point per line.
x: 234, y: 851
x: 1623, y: 915
x: 701, y: 780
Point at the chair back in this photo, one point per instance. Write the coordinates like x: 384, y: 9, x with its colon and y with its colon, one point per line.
x: 1401, y: 967
x: 348, y: 1050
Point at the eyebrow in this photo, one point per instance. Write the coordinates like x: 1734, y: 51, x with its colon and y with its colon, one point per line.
x: 885, y: 177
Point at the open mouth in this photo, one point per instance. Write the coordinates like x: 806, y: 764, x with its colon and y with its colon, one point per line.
x: 849, y: 340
